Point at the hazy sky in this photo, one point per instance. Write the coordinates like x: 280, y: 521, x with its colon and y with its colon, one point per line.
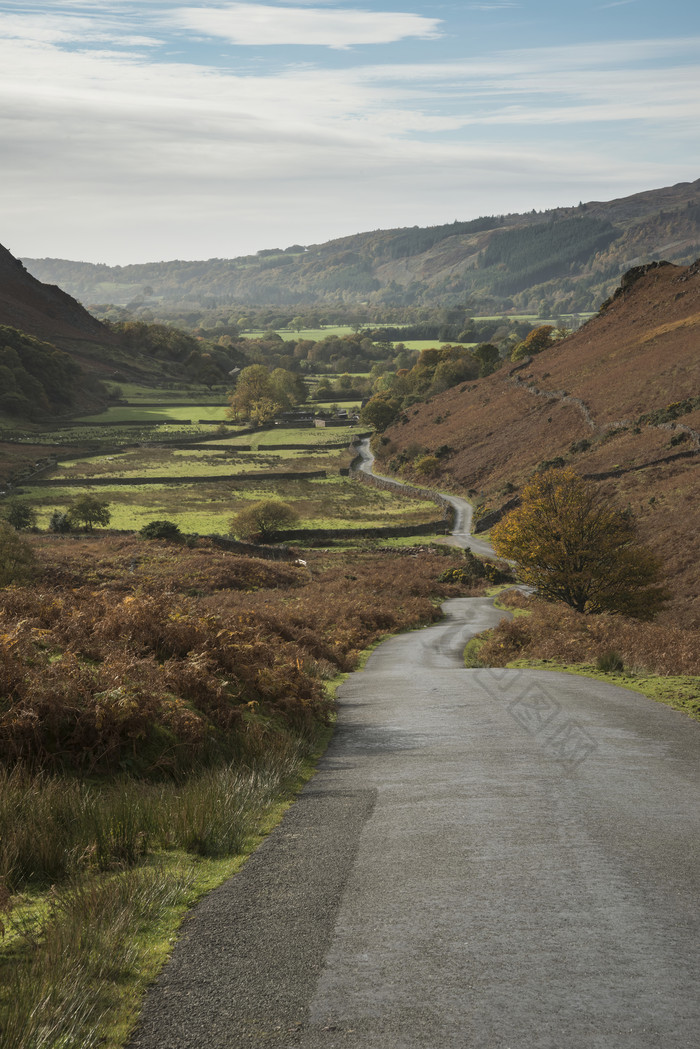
x: 142, y: 131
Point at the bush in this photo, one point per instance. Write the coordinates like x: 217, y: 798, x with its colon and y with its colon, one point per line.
x: 610, y: 662
x: 475, y: 569
x: 59, y: 522
x: 262, y: 520
x: 161, y: 530
x: 426, y: 465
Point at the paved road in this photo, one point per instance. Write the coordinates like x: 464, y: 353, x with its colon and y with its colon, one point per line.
x: 485, y: 860
x: 461, y: 533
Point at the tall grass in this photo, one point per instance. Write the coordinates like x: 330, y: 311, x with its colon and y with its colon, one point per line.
x: 68, y: 961
x: 54, y: 828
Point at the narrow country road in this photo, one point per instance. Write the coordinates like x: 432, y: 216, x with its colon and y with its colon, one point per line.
x: 461, y: 532
x: 486, y: 859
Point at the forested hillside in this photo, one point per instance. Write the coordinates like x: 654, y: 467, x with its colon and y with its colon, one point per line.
x: 566, y: 260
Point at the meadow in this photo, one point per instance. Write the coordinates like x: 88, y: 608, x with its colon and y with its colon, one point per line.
x: 132, y: 413
x: 217, y: 484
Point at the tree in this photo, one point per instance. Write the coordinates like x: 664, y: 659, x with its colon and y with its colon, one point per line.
x: 260, y: 521
x: 380, y: 411
x: 539, y: 339
x: 89, y: 511
x: 16, y: 556
x: 572, y: 545
x: 19, y: 515
x: 488, y: 357
x: 257, y: 396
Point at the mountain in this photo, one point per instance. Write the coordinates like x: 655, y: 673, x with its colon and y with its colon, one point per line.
x: 43, y: 310
x: 565, y: 260
x: 619, y: 400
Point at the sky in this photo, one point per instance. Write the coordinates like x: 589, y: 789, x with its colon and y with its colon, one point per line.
x: 154, y: 130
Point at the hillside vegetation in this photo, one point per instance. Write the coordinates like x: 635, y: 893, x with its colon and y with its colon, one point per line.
x: 617, y: 400
x: 565, y: 260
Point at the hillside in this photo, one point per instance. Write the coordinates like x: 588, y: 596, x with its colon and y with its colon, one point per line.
x: 566, y: 260
x: 43, y: 310
x: 618, y: 400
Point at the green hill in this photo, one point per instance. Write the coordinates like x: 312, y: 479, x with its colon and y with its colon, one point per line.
x: 565, y: 260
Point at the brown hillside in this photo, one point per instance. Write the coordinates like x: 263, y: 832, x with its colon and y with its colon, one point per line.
x: 606, y: 401
x: 43, y: 310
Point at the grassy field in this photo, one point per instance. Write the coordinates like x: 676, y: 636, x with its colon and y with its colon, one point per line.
x: 431, y: 344
x: 207, y: 507
x: 133, y: 393
x: 313, y: 334
x: 132, y: 413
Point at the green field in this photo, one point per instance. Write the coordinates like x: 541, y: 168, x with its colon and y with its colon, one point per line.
x: 182, y: 462
x: 206, y: 504
x: 313, y: 334
x: 133, y: 393
x: 207, y: 507
x: 121, y: 413
x: 433, y: 344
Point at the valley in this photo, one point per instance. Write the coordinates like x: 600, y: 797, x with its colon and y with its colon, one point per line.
x: 163, y: 699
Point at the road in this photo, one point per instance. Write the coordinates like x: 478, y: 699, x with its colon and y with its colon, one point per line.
x: 486, y: 859
x: 461, y: 533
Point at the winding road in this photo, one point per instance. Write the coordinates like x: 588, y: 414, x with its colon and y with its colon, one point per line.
x: 485, y: 859
x: 461, y: 532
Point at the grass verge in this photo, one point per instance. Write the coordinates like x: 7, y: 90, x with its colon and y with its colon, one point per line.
x: 76, y: 960
x: 680, y: 691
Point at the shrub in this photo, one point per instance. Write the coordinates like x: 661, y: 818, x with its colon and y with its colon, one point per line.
x: 262, y: 520
x: 426, y: 465
x: 161, y: 530
x: 59, y: 522
x: 610, y: 662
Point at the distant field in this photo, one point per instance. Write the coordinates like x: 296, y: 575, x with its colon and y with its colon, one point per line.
x: 314, y: 334
x: 208, y: 507
x: 132, y: 413
x: 134, y: 392
x: 430, y: 344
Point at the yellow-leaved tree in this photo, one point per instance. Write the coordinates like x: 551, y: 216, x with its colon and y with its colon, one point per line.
x: 571, y: 544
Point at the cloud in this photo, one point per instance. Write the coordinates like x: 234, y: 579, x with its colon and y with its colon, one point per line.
x: 259, y: 24
x: 112, y: 156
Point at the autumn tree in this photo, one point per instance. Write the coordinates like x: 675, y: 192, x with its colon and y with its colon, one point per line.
x: 260, y: 395
x: 539, y: 339
x: 262, y: 520
x: 380, y: 411
x: 572, y: 545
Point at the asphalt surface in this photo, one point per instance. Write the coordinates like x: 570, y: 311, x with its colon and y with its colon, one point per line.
x: 461, y: 533
x: 486, y: 859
